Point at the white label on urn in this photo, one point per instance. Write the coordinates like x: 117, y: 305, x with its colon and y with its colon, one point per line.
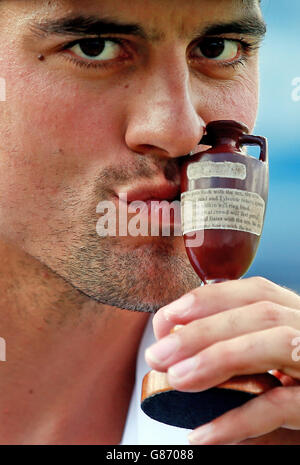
x: 211, y: 169
x: 222, y: 209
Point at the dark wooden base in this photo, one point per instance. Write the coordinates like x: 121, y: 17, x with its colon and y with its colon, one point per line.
x: 189, y: 410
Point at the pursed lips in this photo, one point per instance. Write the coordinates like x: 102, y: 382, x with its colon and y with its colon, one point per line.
x: 167, y: 191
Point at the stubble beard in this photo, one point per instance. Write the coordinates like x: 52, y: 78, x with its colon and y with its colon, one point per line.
x: 142, y: 278
x: 139, y: 274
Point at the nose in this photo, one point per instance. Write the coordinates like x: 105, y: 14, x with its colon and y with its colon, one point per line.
x: 163, y: 118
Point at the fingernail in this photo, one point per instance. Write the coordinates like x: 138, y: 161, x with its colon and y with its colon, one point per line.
x: 176, y: 328
x: 201, y: 435
x: 163, y: 349
x: 180, y: 307
x: 181, y: 369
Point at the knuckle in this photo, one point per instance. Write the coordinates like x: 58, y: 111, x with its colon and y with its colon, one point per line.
x: 287, y: 402
x: 278, y: 396
x: 286, y: 336
x: 232, y: 320
x: 270, y: 311
x: 264, y: 287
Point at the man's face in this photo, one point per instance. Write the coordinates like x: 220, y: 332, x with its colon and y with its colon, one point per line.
x: 111, y: 107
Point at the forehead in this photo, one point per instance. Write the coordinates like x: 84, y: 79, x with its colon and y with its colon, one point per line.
x: 158, y: 17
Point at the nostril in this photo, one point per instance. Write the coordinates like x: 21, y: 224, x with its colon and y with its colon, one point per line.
x: 148, y: 149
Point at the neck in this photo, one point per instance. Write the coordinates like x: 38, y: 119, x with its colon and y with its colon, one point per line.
x: 70, y: 360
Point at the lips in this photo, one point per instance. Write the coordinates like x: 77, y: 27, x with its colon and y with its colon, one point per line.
x: 144, y: 193
x: 157, y: 208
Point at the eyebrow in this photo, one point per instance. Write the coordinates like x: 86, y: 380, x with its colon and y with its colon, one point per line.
x: 85, y: 25
x: 93, y: 26
x: 252, y: 26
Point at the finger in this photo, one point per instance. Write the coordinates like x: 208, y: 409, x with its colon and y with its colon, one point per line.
x: 202, y: 333
x: 209, y: 300
x: 268, y: 412
x: 248, y: 354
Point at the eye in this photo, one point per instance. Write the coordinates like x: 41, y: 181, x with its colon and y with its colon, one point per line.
x: 217, y: 49
x: 97, y: 49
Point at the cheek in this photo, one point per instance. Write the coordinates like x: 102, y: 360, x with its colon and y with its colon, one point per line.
x: 58, y: 137
x: 62, y: 128
x: 68, y: 117
x: 244, y: 102
x: 237, y: 100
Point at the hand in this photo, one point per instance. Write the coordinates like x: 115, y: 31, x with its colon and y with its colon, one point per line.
x: 238, y: 327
